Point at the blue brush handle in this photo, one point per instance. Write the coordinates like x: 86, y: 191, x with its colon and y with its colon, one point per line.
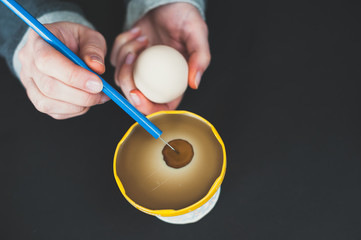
x: 57, y: 44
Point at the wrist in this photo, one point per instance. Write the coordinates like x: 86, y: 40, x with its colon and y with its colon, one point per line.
x: 136, y: 9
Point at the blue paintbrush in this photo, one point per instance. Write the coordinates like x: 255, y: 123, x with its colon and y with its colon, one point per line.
x: 107, y: 88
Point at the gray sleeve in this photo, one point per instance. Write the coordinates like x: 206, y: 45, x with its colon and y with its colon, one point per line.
x: 138, y: 8
x: 12, y: 29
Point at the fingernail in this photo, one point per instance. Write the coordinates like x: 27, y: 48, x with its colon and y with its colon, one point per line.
x: 94, y: 86
x: 198, y: 78
x: 134, y: 30
x: 104, y: 99
x: 96, y: 58
x: 130, y: 58
x: 135, y: 99
x: 141, y: 38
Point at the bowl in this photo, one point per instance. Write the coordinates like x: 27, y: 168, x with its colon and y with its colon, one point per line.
x: 176, y: 195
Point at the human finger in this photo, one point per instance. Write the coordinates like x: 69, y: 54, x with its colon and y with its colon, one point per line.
x: 66, y: 116
x: 92, y: 49
x: 134, y: 46
x: 199, y: 54
x: 147, y: 107
x: 52, y: 88
x: 124, y: 77
x: 51, y: 62
x: 122, y: 39
x: 130, y: 50
x: 47, y: 105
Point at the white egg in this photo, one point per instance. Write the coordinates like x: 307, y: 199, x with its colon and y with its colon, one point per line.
x: 161, y: 73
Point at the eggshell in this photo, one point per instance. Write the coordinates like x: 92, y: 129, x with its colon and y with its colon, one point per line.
x: 161, y: 73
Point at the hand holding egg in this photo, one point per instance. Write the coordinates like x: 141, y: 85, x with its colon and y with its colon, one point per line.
x: 161, y: 74
x: 178, y: 25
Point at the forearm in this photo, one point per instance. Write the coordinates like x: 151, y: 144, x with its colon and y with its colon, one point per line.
x: 138, y: 8
x: 13, y: 33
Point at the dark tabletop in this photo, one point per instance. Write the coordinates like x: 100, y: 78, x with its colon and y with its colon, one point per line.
x: 283, y: 91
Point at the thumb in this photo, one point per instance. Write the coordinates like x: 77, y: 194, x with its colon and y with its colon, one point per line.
x: 199, y: 57
x: 92, y: 49
x: 197, y: 64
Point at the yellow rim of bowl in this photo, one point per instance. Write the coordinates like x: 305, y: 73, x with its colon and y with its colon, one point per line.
x: 172, y: 212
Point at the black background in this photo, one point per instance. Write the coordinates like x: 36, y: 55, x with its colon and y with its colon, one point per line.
x: 283, y: 91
